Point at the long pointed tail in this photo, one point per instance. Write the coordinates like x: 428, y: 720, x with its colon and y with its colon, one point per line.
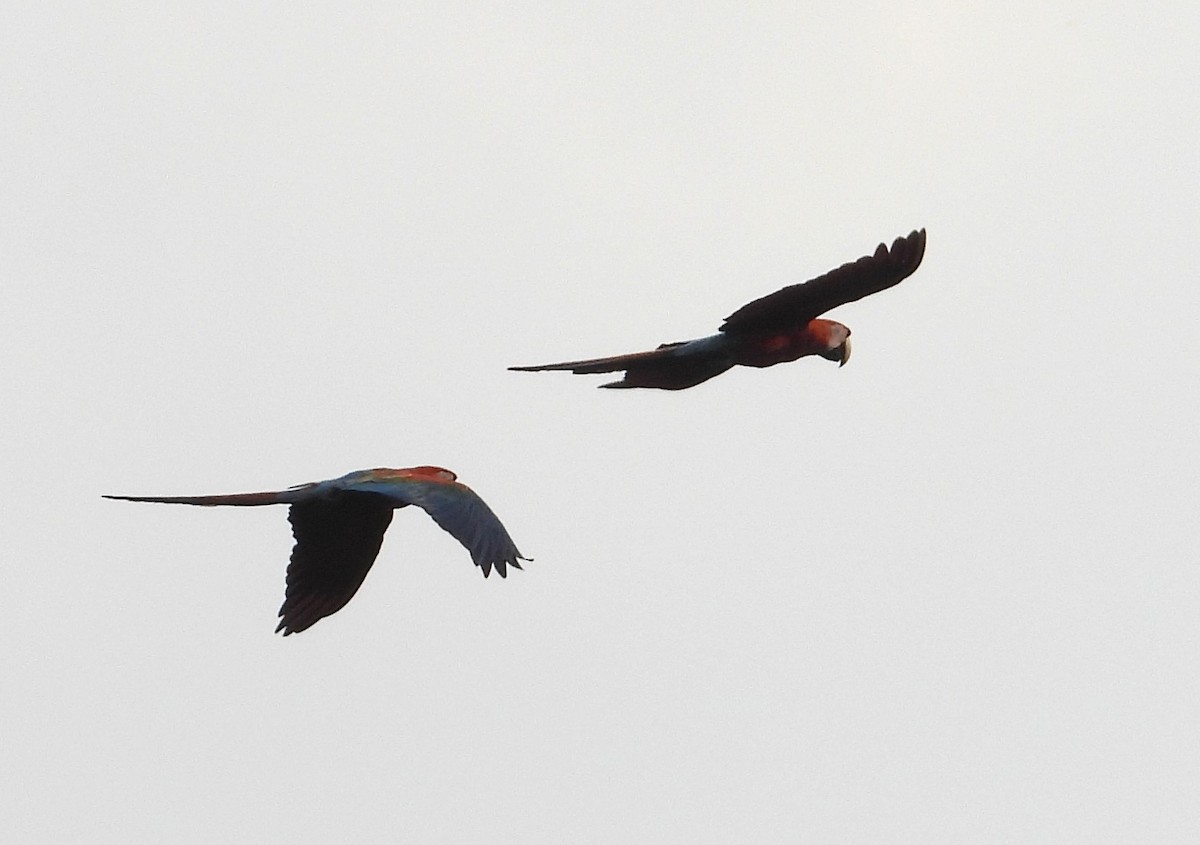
x: 611, y: 364
x: 242, y: 499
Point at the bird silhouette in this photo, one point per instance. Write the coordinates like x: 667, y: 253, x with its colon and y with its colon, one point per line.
x: 339, y: 525
x: 782, y: 326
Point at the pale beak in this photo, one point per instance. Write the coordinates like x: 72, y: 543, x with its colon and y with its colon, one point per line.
x: 845, y: 353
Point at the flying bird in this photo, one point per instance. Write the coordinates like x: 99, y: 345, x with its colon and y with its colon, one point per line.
x: 339, y: 525
x: 779, y: 327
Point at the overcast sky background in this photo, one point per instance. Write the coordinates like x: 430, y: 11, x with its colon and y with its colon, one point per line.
x: 949, y: 593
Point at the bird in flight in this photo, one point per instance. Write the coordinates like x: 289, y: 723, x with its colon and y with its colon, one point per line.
x: 776, y: 328
x: 339, y: 524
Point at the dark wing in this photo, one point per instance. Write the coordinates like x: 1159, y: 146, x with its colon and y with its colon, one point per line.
x: 796, y: 305
x: 672, y: 366
x: 673, y: 373
x: 459, y: 510
x: 337, y: 540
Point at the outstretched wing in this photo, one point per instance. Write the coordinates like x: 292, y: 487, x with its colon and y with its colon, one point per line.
x: 796, y: 305
x: 337, y: 539
x: 672, y: 366
x: 459, y: 510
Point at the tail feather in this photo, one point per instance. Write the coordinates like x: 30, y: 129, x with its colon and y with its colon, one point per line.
x: 242, y: 499
x: 612, y: 364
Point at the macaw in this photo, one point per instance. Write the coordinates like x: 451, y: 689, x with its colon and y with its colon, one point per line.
x: 339, y: 525
x: 779, y: 327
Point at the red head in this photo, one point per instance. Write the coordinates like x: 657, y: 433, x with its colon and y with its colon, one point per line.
x: 834, y: 339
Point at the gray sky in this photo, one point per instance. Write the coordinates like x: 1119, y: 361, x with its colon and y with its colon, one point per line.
x: 948, y: 593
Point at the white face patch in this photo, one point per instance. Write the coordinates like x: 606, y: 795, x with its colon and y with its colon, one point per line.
x: 838, y: 334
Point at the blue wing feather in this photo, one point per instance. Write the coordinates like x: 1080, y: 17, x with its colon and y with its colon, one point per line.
x: 456, y: 508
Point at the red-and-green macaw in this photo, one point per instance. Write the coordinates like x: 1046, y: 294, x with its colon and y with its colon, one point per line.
x: 782, y: 326
x: 339, y: 525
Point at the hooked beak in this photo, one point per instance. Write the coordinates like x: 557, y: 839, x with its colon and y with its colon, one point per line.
x: 845, y: 353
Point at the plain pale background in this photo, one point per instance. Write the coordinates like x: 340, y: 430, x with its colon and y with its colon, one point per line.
x: 948, y: 593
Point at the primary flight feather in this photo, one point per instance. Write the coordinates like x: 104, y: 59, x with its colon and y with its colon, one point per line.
x: 782, y: 326
x: 339, y: 525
